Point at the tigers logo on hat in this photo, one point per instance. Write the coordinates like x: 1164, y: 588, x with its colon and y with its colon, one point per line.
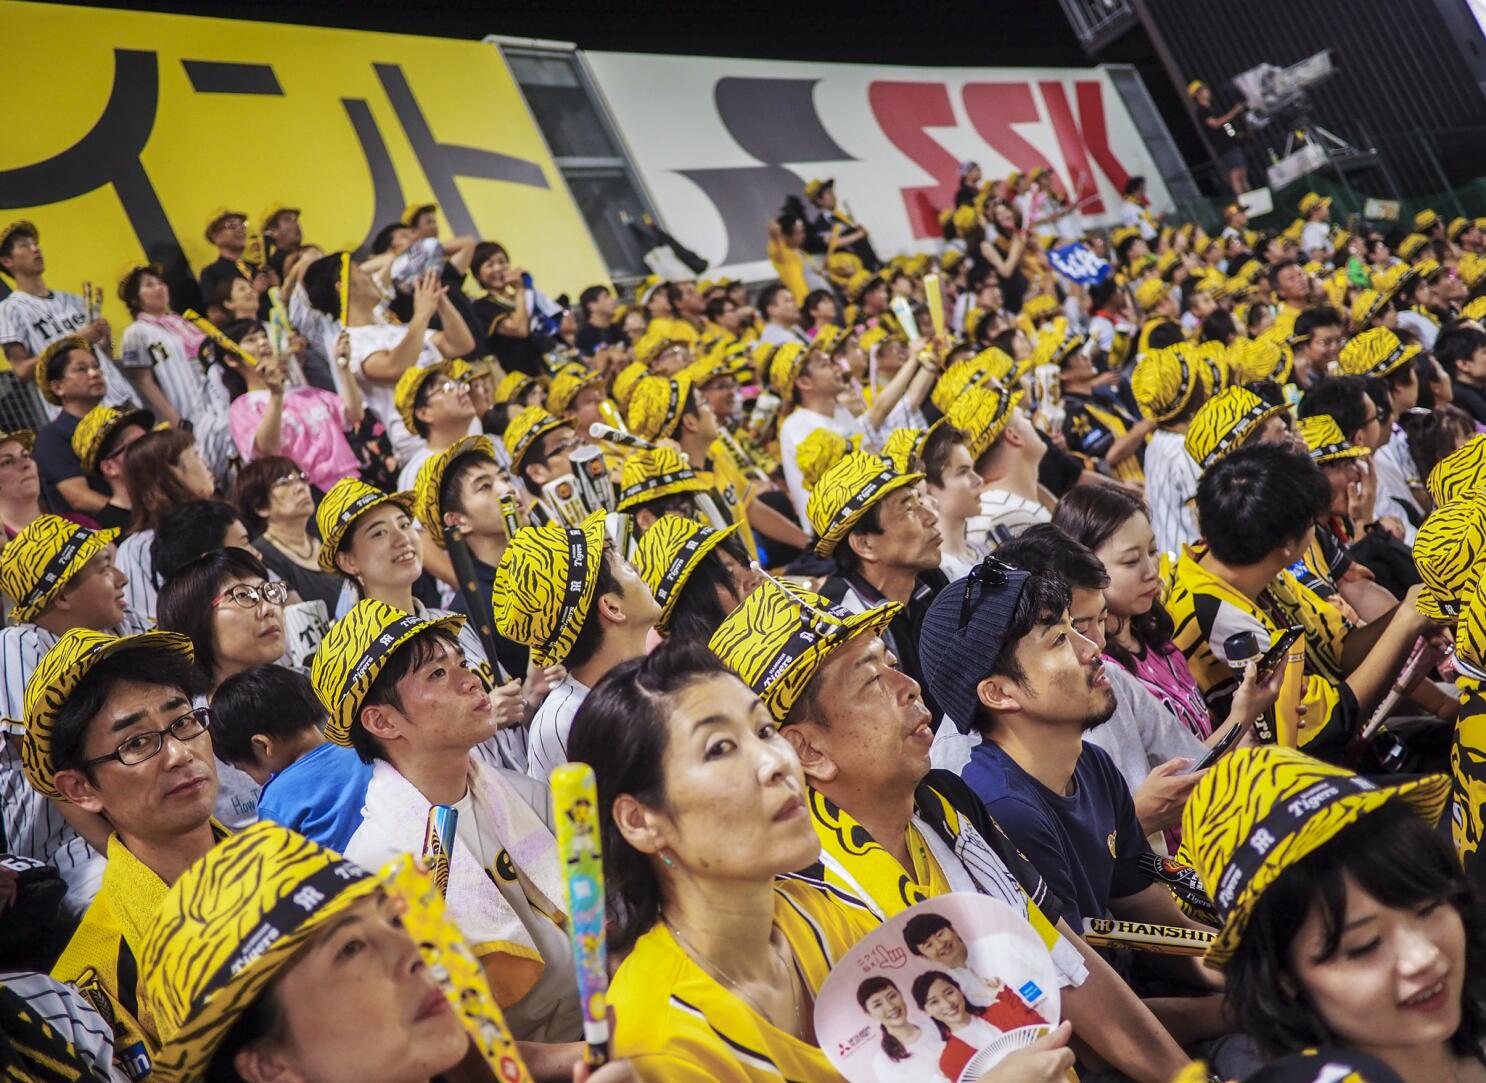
x: 544, y: 586
x: 846, y: 492
x: 228, y: 926
x: 779, y: 637
x: 96, y: 430
x: 37, y: 563
x: 1259, y: 811
x: 427, y: 508
x: 982, y: 413
x: 348, y: 500
x: 57, y: 676
x: 1460, y: 472
x: 1448, y: 550
x: 354, y: 651
x: 668, y: 552
x: 1224, y: 422
x: 656, y: 406
x: 653, y: 473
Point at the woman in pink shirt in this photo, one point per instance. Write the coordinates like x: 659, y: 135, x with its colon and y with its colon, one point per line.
x: 268, y: 417
x: 1116, y: 526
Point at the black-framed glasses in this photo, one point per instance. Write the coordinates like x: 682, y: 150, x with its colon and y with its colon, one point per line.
x: 990, y: 572
x: 144, y: 746
x: 246, y: 597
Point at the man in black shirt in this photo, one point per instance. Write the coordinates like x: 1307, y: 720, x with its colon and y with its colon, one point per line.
x: 1461, y: 351
x: 228, y: 230
x: 598, y: 330
x: 1224, y: 134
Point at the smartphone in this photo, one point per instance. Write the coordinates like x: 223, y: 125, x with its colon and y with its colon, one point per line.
x: 1276, y: 654
x: 1212, y: 755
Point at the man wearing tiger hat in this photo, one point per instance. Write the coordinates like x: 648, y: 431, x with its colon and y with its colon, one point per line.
x: 110, y: 730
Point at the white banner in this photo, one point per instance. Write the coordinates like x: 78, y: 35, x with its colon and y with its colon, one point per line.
x: 721, y: 142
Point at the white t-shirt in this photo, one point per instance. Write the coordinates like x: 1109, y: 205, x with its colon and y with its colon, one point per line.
x: 922, y: 1063
x: 548, y: 744
x: 1003, y: 515
x: 373, y: 338
x: 36, y: 321
x: 1171, y: 477
x: 798, y: 425
x: 1315, y: 236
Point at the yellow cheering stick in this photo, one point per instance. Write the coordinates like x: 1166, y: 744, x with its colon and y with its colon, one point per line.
x: 209, y: 329
x: 456, y: 971
x: 345, y: 287
x: 575, y: 807
x: 934, y: 296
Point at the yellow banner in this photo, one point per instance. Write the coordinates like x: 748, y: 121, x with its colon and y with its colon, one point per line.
x: 127, y: 130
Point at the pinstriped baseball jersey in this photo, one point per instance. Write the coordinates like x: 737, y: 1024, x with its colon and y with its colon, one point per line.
x: 35, y: 321
x: 155, y: 349
x: 1171, y: 477
x: 134, y: 560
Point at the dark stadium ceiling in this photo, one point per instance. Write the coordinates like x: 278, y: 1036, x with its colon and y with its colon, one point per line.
x: 963, y: 32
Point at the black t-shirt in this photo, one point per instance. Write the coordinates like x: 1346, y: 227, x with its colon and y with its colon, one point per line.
x: 112, y: 517
x: 1225, y: 135
x: 55, y: 461
x: 514, y: 354
x: 222, y: 270
x: 591, y: 339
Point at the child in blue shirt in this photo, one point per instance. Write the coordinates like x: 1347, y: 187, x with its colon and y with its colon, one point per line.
x: 268, y: 724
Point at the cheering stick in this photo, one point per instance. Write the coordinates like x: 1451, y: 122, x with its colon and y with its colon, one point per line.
x: 469, y: 590
x: 575, y: 806
x: 438, y: 843
x: 510, y: 511
x: 1144, y: 936
x: 209, y: 329
x: 608, y: 433
x: 456, y: 971
x: 345, y: 291
x: 934, y: 295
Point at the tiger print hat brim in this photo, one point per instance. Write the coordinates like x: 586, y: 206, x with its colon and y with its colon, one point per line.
x: 1260, y: 811
x: 354, y: 652
x: 228, y: 927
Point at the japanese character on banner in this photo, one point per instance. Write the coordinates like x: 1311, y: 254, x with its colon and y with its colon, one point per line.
x: 1078, y: 263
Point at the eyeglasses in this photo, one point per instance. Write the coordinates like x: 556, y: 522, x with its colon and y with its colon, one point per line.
x: 289, y: 479
x: 246, y: 597
x: 564, y: 446
x: 451, y: 387
x: 144, y: 746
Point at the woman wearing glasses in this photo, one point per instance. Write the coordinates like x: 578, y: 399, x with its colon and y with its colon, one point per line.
x: 274, y: 499
x: 233, y: 614
x: 272, y: 416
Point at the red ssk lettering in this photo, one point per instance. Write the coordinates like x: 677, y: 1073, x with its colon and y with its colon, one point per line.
x: 903, y: 111
x: 993, y: 108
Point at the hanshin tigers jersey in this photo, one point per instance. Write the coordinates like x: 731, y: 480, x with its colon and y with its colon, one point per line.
x: 155, y: 349
x: 35, y: 321
x: 1207, y: 611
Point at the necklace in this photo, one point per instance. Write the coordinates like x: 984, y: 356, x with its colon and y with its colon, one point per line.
x: 292, y: 550
x: 732, y: 983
